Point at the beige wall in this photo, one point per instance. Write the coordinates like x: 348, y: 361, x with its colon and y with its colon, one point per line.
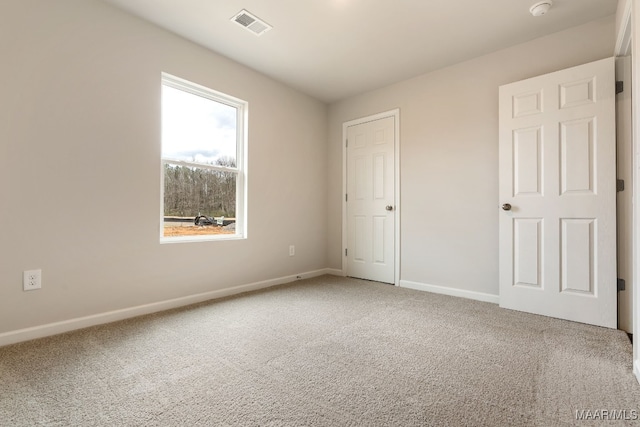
x: 80, y: 175
x: 449, y: 156
x: 79, y: 144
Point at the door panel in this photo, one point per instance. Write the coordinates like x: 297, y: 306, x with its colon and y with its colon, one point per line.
x: 527, y: 155
x: 370, y: 189
x: 577, y: 162
x: 578, y: 246
x: 557, y: 171
x: 528, y: 252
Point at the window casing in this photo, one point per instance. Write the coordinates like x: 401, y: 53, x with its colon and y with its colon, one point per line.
x: 203, y: 185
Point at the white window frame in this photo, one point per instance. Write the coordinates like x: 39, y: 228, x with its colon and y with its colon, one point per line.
x: 240, y: 170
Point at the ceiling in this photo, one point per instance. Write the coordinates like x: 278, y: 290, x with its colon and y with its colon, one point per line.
x: 332, y: 49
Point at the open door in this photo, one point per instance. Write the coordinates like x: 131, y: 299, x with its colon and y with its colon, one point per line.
x: 558, y: 195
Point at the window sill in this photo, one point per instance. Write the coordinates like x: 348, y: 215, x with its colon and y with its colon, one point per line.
x: 195, y: 239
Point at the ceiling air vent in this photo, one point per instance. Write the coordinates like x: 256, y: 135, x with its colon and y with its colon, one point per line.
x: 251, y: 22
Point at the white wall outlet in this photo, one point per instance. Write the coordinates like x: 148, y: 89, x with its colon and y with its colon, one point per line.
x: 32, y: 280
x: 292, y: 250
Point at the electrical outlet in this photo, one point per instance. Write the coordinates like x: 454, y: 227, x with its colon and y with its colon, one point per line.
x: 32, y: 280
x: 292, y: 250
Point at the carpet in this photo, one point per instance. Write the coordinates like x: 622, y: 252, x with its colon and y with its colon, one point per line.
x: 322, y: 352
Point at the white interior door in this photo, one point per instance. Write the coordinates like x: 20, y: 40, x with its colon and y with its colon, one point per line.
x: 370, y: 199
x: 557, y: 174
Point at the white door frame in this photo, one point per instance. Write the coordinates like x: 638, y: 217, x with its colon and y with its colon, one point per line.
x: 396, y: 124
x: 628, y: 43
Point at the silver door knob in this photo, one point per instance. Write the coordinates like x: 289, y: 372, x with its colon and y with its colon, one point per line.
x: 389, y: 208
x: 506, y: 207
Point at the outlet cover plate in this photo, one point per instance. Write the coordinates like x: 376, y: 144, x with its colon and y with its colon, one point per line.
x: 32, y: 280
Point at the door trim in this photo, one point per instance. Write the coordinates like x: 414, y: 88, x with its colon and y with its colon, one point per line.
x: 626, y: 45
x: 396, y: 176
x: 623, y: 38
x: 628, y: 26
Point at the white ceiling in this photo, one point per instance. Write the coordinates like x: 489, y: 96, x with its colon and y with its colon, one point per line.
x: 332, y: 49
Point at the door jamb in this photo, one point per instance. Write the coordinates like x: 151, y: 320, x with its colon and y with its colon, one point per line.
x: 626, y: 44
x: 396, y: 125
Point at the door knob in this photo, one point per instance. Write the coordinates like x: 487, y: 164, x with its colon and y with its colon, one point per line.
x: 389, y: 208
x: 506, y: 207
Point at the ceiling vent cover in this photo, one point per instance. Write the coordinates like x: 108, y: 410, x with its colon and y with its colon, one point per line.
x: 251, y: 22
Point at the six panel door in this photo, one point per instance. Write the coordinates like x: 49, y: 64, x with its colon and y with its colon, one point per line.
x: 370, y: 204
x: 557, y: 243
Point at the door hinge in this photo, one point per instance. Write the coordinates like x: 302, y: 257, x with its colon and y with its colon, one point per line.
x: 619, y: 87
x: 620, y: 185
x: 621, y: 284
x: 346, y: 197
x: 345, y: 251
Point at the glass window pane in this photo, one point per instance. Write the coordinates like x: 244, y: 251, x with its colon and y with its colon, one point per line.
x: 197, y: 129
x: 198, y: 201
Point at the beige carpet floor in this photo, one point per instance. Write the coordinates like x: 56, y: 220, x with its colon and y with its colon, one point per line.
x: 326, y: 351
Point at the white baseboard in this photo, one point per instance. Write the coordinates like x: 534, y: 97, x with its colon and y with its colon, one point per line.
x: 40, y: 331
x: 636, y: 369
x: 479, y: 296
x: 334, y: 272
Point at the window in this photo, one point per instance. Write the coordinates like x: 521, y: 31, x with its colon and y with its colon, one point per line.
x: 203, y: 163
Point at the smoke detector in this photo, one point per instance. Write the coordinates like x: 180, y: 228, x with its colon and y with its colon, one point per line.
x: 251, y: 22
x: 540, y: 8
